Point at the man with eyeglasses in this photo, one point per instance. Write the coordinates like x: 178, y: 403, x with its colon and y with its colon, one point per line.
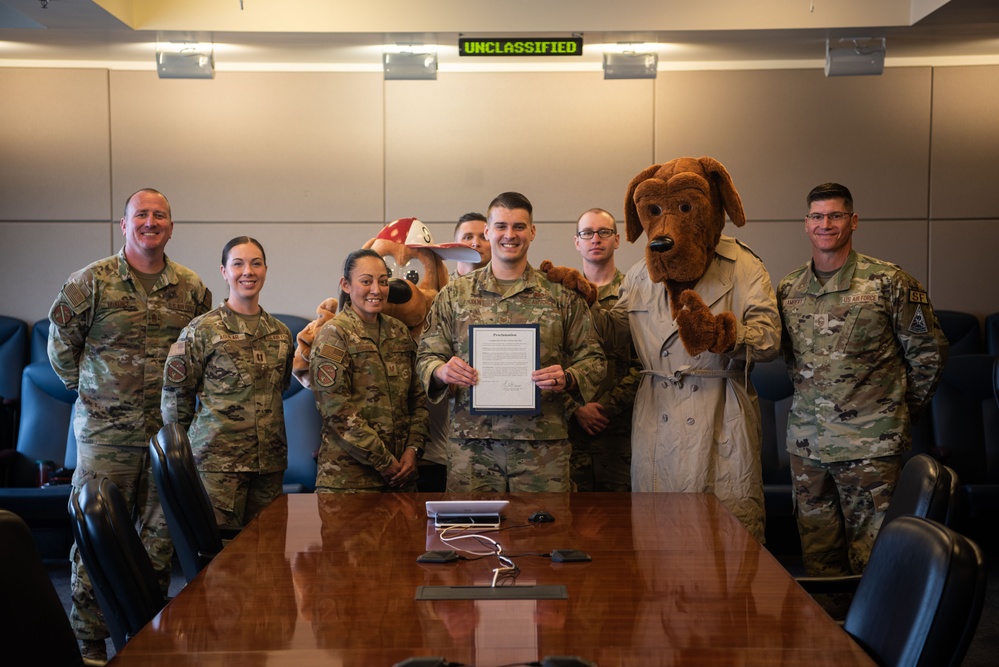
x: 865, y: 352
x: 600, y: 431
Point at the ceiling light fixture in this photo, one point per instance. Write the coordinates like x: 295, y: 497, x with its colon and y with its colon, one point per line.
x: 631, y: 61
x: 859, y: 56
x: 410, y: 62
x: 185, y: 59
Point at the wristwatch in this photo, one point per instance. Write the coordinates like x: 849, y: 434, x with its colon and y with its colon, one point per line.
x: 418, y: 450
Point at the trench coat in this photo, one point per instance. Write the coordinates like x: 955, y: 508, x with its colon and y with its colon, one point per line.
x: 696, y: 422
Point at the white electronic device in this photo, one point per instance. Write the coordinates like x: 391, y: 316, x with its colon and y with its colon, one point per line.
x: 471, y: 513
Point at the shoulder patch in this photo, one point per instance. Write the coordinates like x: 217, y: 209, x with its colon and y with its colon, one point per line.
x: 62, y: 314
x: 176, y: 370
x: 916, y: 296
x: 918, y: 324
x: 177, y: 349
x: 332, y: 352
x: 325, y: 374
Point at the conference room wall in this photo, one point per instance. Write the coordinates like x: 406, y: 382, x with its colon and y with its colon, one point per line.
x: 312, y: 163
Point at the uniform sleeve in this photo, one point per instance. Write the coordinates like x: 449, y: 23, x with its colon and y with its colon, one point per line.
x: 419, y: 421
x: 758, y: 327
x: 71, y: 317
x: 587, y: 362
x: 786, y: 344
x: 183, y: 378
x: 923, y: 343
x: 289, y: 358
x: 435, y: 345
x: 332, y: 375
x: 612, y: 325
x: 622, y: 396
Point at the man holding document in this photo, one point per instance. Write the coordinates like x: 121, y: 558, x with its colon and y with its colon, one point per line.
x: 503, y: 342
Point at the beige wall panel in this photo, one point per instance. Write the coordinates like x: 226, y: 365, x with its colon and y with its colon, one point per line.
x: 37, y: 257
x: 781, y: 132
x: 569, y: 141
x: 252, y: 146
x: 54, y: 159
x: 962, y: 265
x: 965, y: 162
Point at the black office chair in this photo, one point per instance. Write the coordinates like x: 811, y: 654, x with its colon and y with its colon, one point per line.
x: 925, y: 489
x: 921, y: 597
x: 34, y: 628
x: 196, y: 536
x: 962, y: 330
x: 122, y: 575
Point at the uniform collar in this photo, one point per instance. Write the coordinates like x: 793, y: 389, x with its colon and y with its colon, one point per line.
x: 125, y: 273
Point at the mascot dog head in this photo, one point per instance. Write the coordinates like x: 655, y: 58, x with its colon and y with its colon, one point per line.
x: 681, y: 206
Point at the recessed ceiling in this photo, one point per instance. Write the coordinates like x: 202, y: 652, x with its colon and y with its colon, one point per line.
x: 785, y: 33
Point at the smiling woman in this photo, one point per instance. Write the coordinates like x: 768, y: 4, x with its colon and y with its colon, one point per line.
x: 361, y: 369
x: 223, y: 380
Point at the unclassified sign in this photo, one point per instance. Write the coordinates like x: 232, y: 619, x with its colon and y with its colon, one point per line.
x: 520, y: 46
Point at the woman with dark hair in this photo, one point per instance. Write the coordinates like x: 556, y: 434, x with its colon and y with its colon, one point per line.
x: 223, y: 381
x: 362, y: 372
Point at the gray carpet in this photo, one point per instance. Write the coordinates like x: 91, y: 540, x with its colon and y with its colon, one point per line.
x: 982, y: 653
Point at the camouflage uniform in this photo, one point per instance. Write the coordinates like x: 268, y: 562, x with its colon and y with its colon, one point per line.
x: 865, y: 352
x: 602, y: 462
x: 236, y: 378
x: 567, y: 339
x: 108, y: 341
x: 370, y: 399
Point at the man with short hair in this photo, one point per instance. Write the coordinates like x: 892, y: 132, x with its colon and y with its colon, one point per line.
x: 471, y: 231
x: 865, y: 352
x: 111, y: 327
x: 600, y: 431
x: 515, y: 452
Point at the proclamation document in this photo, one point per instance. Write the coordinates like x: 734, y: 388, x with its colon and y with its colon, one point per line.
x: 505, y: 355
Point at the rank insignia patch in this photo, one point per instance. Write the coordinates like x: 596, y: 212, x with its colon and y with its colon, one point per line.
x: 915, y: 296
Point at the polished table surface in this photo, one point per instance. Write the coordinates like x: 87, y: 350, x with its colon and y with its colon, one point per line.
x: 331, y: 580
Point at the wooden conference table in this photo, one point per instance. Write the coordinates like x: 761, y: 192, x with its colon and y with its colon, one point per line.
x: 332, y: 579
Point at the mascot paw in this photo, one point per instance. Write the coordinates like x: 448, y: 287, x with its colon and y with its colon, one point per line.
x: 700, y: 329
x: 571, y: 279
x: 300, y: 362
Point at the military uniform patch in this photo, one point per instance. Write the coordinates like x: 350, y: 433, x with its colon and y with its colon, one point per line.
x: 916, y: 296
x: 76, y: 294
x: 325, y: 375
x: 918, y: 324
x: 62, y: 314
x: 333, y: 353
x: 176, y: 370
x: 177, y: 349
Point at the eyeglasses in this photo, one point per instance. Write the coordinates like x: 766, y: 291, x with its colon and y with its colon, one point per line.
x: 604, y: 233
x: 835, y: 216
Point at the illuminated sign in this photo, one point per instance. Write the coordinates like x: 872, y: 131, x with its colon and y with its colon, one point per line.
x: 520, y: 46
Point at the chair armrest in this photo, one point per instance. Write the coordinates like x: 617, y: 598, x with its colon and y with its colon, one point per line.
x: 229, y: 533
